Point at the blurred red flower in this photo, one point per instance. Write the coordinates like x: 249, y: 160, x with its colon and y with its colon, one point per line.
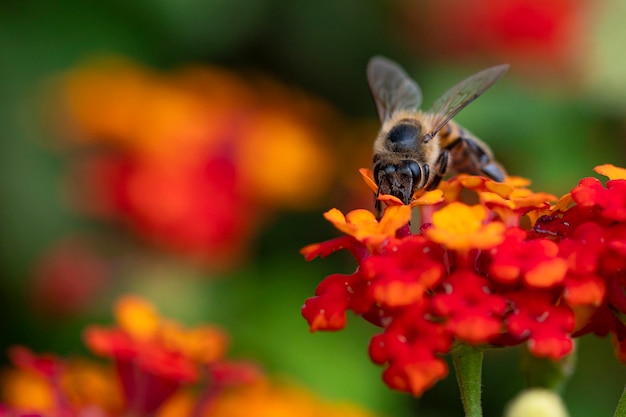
x: 68, y: 277
x: 534, y: 36
x: 179, y: 159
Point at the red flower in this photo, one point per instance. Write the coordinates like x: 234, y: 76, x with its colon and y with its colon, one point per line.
x: 545, y: 326
x: 171, y: 201
x: 326, y: 248
x: 153, y: 356
x: 48, y: 366
x: 533, y: 261
x: 327, y: 310
x: 410, y: 346
x: 611, y: 201
x: 68, y: 278
x: 398, y: 277
x: 473, y: 275
x: 471, y: 312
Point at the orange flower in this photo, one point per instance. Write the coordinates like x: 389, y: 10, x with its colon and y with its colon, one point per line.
x: 24, y: 389
x: 503, y: 189
x: 368, y: 177
x: 137, y: 317
x: 275, y: 136
x: 611, y: 171
x: 52, y: 386
x: 89, y: 384
x: 453, y: 187
x: 282, y: 160
x: 275, y: 399
x: 141, y: 321
x: 561, y: 205
x: 461, y: 227
x: 141, y: 326
x: 153, y: 356
x: 205, y: 344
x: 519, y: 201
x: 115, y: 101
x: 363, y: 226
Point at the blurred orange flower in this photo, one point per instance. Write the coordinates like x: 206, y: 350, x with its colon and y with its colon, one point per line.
x: 161, y: 368
x: 179, y: 158
x: 274, y: 399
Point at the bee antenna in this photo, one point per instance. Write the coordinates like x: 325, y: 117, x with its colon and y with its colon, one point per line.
x: 427, y: 137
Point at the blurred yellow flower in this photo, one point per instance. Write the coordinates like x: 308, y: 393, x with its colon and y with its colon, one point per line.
x: 137, y: 317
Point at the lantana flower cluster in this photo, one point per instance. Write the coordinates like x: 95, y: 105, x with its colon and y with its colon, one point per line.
x: 514, y: 267
x: 160, y: 368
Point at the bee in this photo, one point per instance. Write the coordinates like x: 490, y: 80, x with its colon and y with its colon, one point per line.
x: 415, y: 149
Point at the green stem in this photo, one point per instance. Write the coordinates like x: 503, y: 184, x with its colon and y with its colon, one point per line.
x: 620, y: 411
x: 468, y: 367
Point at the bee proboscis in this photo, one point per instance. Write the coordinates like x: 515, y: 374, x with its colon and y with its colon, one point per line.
x: 415, y: 149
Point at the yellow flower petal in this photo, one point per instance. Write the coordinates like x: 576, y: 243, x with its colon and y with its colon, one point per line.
x: 428, y: 198
x: 390, y: 200
x: 611, y: 171
x: 460, y: 227
x: 394, y: 218
x: 363, y: 225
x: 477, y: 183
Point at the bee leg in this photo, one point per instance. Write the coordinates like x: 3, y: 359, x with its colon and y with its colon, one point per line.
x: 494, y: 171
x: 441, y: 167
x: 488, y: 167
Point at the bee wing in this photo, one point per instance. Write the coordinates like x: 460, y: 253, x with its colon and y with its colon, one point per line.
x: 391, y: 87
x: 462, y: 94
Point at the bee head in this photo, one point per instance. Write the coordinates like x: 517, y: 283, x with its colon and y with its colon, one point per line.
x: 399, y: 179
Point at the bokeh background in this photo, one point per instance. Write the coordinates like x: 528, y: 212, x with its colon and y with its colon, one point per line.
x: 185, y: 152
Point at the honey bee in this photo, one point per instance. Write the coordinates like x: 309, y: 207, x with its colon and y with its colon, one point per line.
x: 415, y: 149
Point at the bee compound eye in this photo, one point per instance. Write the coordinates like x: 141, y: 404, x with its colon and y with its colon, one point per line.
x: 390, y: 169
x: 416, y: 171
x: 426, y: 174
x: 381, y: 170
